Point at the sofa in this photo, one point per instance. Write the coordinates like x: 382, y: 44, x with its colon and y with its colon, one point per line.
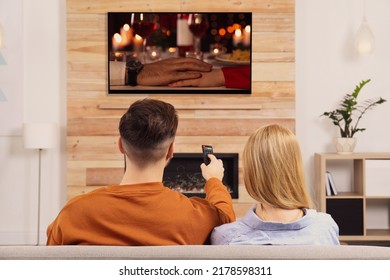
x: 198, y: 252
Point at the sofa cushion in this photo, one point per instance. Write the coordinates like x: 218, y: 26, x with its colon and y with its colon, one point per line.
x: 200, y: 252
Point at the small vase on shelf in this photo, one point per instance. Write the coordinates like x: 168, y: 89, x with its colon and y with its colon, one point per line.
x: 345, y: 145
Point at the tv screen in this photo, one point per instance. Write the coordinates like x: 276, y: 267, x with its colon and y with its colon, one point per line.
x: 146, y: 52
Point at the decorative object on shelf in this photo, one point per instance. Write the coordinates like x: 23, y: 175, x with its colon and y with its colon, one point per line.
x: 364, y: 40
x: 330, y: 184
x: 345, y: 145
x: 347, y: 116
x: 39, y: 136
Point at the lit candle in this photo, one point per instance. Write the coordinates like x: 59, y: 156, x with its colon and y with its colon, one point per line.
x: 153, y: 52
x: 247, y: 36
x: 119, y: 56
x: 237, y: 37
x: 125, y: 34
x: 137, y: 43
x: 172, y: 51
x: 116, y: 41
x: 216, y: 49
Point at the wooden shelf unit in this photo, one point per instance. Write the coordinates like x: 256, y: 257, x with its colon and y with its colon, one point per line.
x: 349, y: 208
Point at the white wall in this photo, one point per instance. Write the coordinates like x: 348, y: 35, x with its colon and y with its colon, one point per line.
x: 327, y: 67
x: 44, y: 100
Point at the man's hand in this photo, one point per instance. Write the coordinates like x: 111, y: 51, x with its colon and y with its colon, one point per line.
x: 171, y: 70
x: 214, y: 78
x: 214, y: 169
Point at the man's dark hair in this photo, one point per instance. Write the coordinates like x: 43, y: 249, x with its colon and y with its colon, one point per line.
x: 147, y: 129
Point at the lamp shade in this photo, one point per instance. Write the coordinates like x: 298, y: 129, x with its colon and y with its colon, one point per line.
x: 365, y: 40
x: 39, y: 135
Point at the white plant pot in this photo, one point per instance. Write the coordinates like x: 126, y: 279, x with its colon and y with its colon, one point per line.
x: 345, y: 145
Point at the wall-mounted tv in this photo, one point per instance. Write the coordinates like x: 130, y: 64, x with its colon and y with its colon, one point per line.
x: 148, y: 52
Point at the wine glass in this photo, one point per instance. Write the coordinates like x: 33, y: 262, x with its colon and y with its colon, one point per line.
x: 198, y: 24
x: 143, y: 24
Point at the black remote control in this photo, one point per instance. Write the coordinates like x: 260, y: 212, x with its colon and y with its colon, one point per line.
x: 207, y: 149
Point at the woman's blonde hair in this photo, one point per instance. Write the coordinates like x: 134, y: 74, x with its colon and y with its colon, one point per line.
x: 273, y: 168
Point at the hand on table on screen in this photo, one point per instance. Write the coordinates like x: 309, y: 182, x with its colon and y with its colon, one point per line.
x: 214, y: 78
x: 172, y: 70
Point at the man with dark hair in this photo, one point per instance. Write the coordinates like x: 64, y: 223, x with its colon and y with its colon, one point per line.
x: 140, y: 210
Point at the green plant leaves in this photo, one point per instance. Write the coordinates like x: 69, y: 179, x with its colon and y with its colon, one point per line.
x: 349, y: 110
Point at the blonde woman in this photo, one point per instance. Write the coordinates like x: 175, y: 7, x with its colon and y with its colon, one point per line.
x: 274, y: 177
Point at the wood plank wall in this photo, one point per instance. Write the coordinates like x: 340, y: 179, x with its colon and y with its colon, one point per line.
x: 223, y: 121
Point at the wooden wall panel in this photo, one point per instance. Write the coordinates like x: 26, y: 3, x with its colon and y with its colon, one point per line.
x: 257, y: 6
x: 223, y: 121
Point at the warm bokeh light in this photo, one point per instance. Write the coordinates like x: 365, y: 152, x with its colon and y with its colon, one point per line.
x: 117, y: 37
x: 236, y: 26
x: 248, y: 28
x: 126, y: 27
x: 230, y: 29
x: 172, y: 50
x: 222, y: 32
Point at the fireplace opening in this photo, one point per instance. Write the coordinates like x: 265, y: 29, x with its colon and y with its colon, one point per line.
x: 183, y: 174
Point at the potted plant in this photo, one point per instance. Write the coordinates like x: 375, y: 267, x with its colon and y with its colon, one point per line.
x: 348, y: 115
